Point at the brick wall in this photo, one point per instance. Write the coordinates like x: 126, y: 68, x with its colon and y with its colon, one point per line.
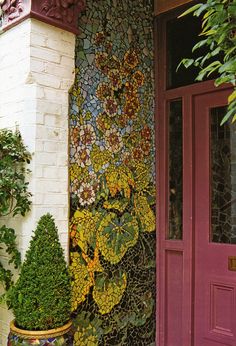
x: 36, y: 72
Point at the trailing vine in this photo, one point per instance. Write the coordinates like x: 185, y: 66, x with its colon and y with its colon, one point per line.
x: 14, y: 196
x: 219, y: 37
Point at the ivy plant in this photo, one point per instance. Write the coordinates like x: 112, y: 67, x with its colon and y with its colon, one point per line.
x: 218, y: 36
x: 14, y: 196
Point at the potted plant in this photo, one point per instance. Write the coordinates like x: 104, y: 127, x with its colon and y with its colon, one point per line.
x: 41, y: 297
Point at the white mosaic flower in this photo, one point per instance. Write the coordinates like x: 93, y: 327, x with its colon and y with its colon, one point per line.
x: 87, y: 134
x: 113, y: 140
x: 83, y: 156
x: 86, y: 194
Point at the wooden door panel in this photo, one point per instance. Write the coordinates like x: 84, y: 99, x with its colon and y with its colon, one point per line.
x: 215, y: 284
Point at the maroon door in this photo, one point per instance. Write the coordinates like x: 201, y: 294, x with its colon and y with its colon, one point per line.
x: 215, y: 223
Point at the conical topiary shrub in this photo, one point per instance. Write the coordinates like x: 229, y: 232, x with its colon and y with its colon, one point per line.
x: 41, y: 298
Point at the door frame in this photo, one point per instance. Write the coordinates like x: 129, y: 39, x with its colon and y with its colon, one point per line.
x: 167, y: 250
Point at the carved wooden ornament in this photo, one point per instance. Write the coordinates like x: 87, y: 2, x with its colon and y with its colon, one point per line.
x: 61, y: 13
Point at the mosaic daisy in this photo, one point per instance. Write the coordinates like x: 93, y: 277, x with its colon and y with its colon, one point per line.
x: 86, y: 194
x: 113, y: 140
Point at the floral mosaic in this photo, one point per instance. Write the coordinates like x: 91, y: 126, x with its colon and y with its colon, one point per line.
x: 112, y: 224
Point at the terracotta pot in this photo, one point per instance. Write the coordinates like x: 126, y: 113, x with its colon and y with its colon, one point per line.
x: 52, y: 337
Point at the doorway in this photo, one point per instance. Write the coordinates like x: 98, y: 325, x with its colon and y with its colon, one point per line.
x: 196, y: 194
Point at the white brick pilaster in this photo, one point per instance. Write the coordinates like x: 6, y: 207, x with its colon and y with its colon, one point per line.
x: 36, y: 71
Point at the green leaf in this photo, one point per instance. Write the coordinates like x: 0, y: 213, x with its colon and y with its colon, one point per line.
x: 190, y: 10
x: 123, y: 234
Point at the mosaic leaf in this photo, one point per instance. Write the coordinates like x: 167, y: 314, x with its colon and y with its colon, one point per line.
x: 81, y: 280
x: 117, y: 204
x: 116, y: 235
x: 145, y: 214
x: 88, y: 330
x: 119, y: 179
x: 100, y: 157
x: 83, y: 229
x: 142, y: 176
x: 108, y: 292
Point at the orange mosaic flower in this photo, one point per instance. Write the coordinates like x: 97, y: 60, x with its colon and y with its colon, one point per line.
x: 99, y: 38
x: 137, y: 154
x: 131, y: 59
x: 114, y: 76
x: 146, y: 147
x: 103, y: 91
x: 101, y: 61
x: 138, y: 78
x: 130, y: 88
x: 146, y: 133
x: 110, y: 106
x: 74, y: 135
x: 132, y: 106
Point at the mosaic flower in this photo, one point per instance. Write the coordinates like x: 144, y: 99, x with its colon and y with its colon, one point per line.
x: 74, y: 185
x: 83, y: 156
x: 103, y: 122
x: 110, y: 106
x: 127, y: 158
x: 137, y: 154
x: 146, y: 147
x: 86, y: 194
x: 114, y: 76
x: 130, y: 88
x: 101, y: 61
x: 87, y: 134
x: 138, y: 78
x: 131, y: 59
x: 113, y: 140
x: 132, y: 107
x: 122, y: 120
x: 74, y: 135
x: 99, y: 38
x: 146, y: 133
x: 103, y: 91
x: 114, y: 62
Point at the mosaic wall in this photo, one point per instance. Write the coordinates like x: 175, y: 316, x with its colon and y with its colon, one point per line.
x: 112, y: 223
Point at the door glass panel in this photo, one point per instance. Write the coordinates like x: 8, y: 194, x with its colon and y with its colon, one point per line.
x: 223, y: 179
x: 175, y: 170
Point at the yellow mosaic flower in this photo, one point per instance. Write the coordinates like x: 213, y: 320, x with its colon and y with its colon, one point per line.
x: 144, y: 213
x: 108, y: 292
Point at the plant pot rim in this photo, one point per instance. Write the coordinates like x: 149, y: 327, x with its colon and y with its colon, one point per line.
x: 40, y: 334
